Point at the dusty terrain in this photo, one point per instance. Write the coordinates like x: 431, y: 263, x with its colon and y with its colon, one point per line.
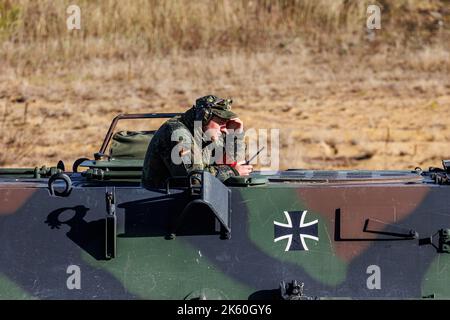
x: 370, y: 105
x: 332, y: 112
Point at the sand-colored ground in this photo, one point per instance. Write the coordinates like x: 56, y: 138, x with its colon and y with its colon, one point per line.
x: 382, y: 110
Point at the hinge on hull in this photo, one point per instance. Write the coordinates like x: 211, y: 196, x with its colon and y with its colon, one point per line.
x: 444, y: 241
x: 110, y: 224
x: 293, y: 291
x: 389, y: 231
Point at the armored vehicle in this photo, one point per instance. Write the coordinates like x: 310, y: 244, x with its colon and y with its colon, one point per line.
x: 93, y: 232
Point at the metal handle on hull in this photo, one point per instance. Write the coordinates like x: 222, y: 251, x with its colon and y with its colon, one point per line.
x: 67, y: 181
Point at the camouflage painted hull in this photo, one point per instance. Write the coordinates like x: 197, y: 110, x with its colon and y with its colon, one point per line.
x: 343, y: 238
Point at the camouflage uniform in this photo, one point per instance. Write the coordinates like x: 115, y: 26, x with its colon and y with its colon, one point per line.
x: 158, y: 164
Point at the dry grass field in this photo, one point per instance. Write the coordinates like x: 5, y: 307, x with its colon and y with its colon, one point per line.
x: 341, y: 96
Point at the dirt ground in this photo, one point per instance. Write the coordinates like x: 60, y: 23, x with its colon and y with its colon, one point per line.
x: 383, y: 110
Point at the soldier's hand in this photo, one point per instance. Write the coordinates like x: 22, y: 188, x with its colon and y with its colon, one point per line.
x: 235, y: 124
x: 243, y: 169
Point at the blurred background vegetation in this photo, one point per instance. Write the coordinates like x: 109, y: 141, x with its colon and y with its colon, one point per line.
x: 112, y: 29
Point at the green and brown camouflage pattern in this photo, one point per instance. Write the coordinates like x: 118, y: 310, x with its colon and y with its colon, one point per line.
x: 158, y: 164
x: 369, y: 224
x: 218, y: 106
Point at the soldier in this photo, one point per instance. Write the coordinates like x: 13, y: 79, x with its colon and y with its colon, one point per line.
x: 171, y: 151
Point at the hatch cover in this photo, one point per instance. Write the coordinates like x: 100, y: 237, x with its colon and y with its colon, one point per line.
x: 346, y: 176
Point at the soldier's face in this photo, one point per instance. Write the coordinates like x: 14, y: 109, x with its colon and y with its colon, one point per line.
x: 215, y: 127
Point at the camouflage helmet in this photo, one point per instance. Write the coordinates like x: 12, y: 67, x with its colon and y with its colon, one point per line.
x: 210, y: 105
